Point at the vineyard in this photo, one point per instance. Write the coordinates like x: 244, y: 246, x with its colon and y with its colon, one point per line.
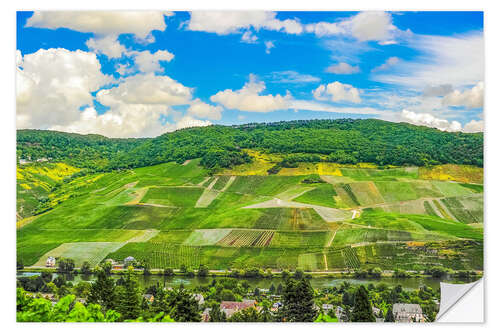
x: 165, y: 255
x: 175, y: 214
x: 246, y: 238
x: 351, y: 259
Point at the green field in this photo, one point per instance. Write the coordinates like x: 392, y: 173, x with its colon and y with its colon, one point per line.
x: 155, y: 214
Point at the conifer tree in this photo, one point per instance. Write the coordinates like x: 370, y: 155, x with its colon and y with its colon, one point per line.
x: 299, y: 301
x: 129, y: 301
x: 362, y: 311
x: 103, y: 291
x: 389, y: 316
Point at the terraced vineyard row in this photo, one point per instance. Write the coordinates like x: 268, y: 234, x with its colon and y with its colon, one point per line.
x: 165, y: 255
x: 351, y: 258
x: 247, y: 238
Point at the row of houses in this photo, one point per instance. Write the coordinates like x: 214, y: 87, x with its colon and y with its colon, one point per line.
x: 403, y: 313
x: 23, y: 161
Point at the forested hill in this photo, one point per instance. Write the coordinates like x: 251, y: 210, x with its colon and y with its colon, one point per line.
x: 342, y: 141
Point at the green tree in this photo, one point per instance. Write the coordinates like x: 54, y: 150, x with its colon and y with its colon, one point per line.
x: 86, y: 269
x: 298, y: 301
x: 103, y: 291
x: 183, y: 306
x: 248, y: 315
x: 389, y: 316
x: 203, y: 271
x: 65, y: 265
x: 216, y: 315
x: 129, y: 296
x: 362, y: 310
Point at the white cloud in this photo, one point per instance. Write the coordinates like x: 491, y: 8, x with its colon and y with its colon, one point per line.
x: 248, y: 37
x: 322, y: 29
x: 148, y: 62
x: 146, y: 89
x: 136, y: 107
x: 337, y: 92
x: 390, y: 62
x: 470, y: 98
x: 131, y: 121
x: 226, y: 22
x: 201, y: 109
x: 343, y: 68
x: 367, y: 26
x: 107, y: 45
x: 440, y: 90
x: 292, y: 77
x: 188, y: 121
x: 249, y: 99
x: 426, y: 119
x: 457, y: 60
x: 52, y: 85
x: 474, y: 126
x: 139, y: 23
x: 269, y: 45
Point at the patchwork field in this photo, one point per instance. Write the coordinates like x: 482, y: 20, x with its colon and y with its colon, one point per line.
x: 319, y: 216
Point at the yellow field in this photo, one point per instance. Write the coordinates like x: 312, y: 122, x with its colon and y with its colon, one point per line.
x: 453, y: 172
x: 26, y: 178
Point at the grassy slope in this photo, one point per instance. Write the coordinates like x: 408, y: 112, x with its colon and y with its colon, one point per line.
x: 103, y: 208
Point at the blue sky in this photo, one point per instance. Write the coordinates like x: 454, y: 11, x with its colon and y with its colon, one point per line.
x: 136, y: 74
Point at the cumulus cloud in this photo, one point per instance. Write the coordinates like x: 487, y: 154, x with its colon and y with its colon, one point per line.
x: 107, y: 45
x: 390, y: 62
x: 226, y: 22
x: 343, y: 68
x: 470, y: 98
x: 201, y: 109
x: 367, y: 26
x: 249, y: 98
x: 136, y: 108
x: 474, y: 126
x: 269, y: 45
x: 426, y: 119
x: 148, y: 62
x: 52, y: 85
x: 445, y: 60
x: 146, y: 89
x: 337, y: 92
x: 139, y: 23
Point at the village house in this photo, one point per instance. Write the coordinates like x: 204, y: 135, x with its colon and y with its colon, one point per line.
x: 205, y: 316
x: 128, y: 261
x: 230, y: 308
x: 276, y: 306
x: 327, y: 308
x: 341, y: 314
x: 149, y: 297
x: 51, y: 262
x: 407, y: 313
x: 199, y: 298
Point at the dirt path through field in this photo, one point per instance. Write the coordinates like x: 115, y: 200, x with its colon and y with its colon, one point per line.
x: 326, y: 262
x: 229, y: 182
x: 208, y: 195
x: 328, y: 214
x: 186, y: 162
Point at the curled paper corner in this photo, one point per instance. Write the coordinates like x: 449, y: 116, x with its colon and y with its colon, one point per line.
x: 461, y: 303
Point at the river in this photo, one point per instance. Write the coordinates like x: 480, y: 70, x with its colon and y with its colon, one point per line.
x: 317, y: 282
